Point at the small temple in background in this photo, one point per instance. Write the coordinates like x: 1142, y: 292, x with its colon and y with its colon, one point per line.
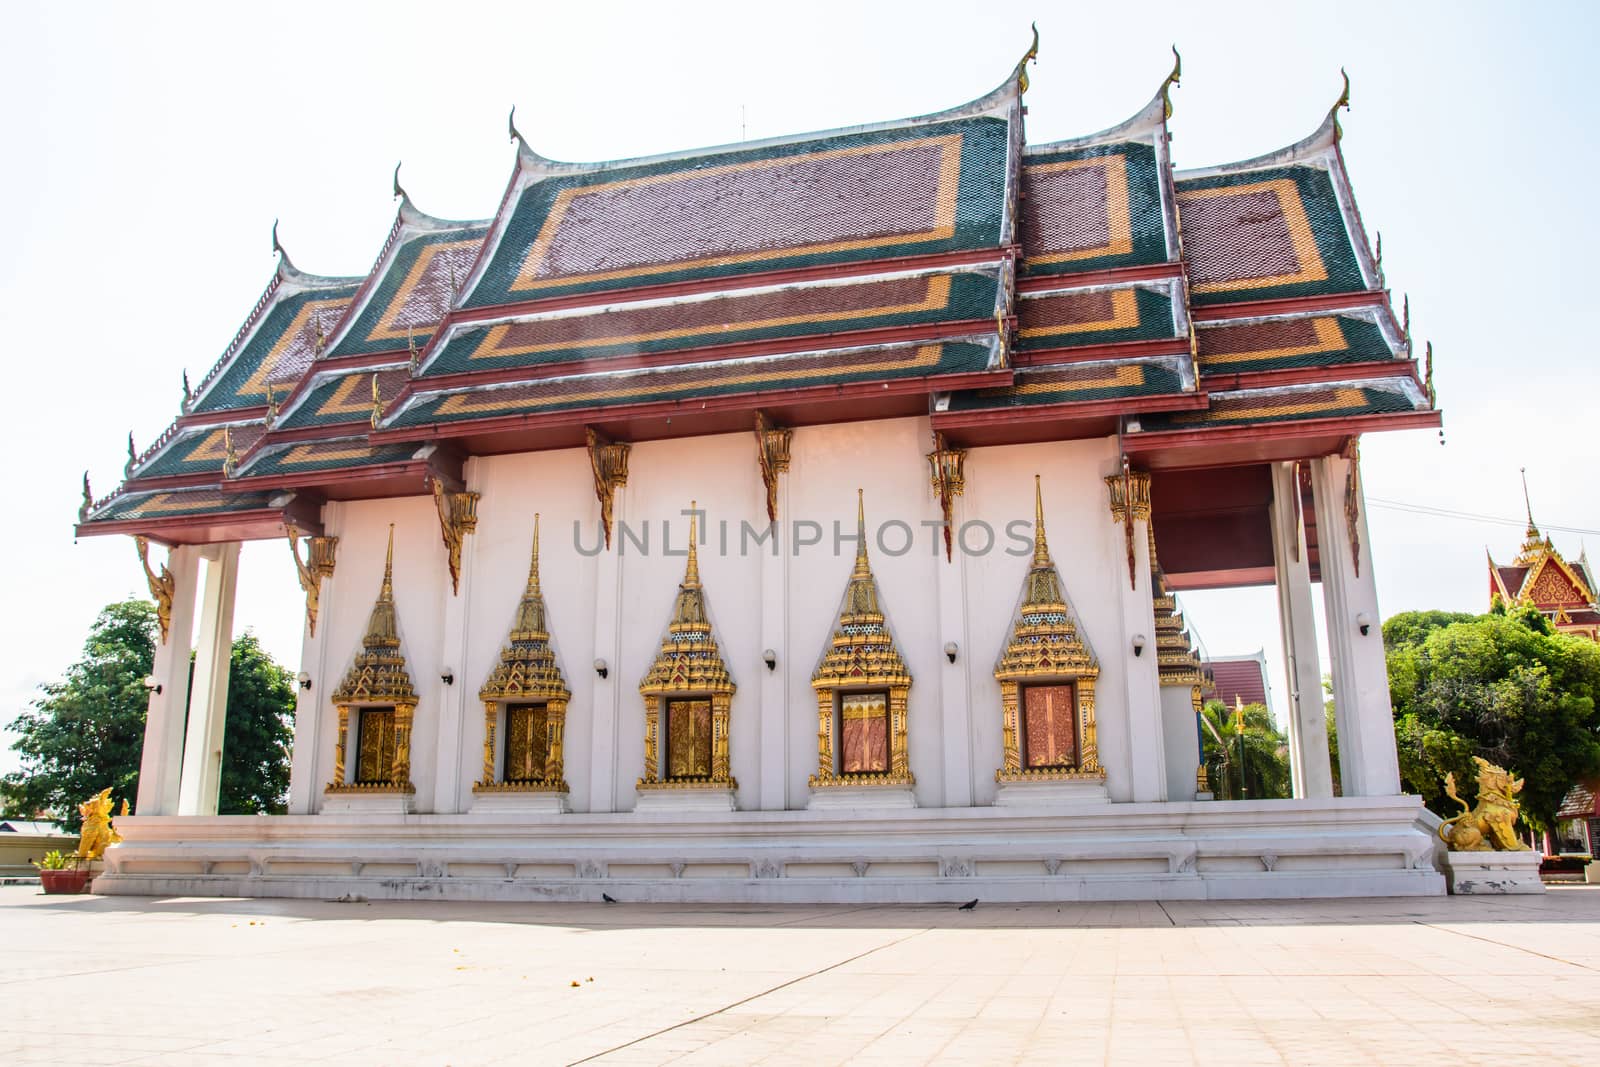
x: 1562, y: 590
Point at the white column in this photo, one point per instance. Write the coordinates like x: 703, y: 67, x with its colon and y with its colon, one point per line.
x: 608, y: 692
x: 160, y: 765
x: 1147, y: 771
x: 773, y: 707
x: 1306, y: 722
x: 1180, y: 749
x: 955, y: 679
x: 1367, y: 763
x: 452, y: 700
x: 305, y: 782
x: 201, y: 780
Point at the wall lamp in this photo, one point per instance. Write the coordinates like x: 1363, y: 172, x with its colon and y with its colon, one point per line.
x: 1138, y: 644
x: 1364, y: 622
x: 950, y: 651
x: 600, y: 668
x: 448, y: 676
x: 304, y: 679
x: 151, y: 684
x: 770, y: 658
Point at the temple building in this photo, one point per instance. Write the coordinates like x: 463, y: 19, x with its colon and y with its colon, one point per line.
x: 723, y: 479
x: 1561, y: 591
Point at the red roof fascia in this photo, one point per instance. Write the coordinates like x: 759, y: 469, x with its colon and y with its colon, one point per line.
x: 1055, y: 357
x: 1115, y: 276
x: 330, y: 476
x: 1262, y: 379
x: 1350, y: 425
x: 200, y: 528
x: 706, y: 354
x: 172, y: 481
x: 217, y: 418
x: 1289, y: 305
x: 820, y: 394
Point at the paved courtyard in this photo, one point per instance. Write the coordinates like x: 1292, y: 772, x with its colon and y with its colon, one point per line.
x: 181, y: 981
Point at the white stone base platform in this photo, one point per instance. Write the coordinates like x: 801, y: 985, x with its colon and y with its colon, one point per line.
x: 1493, y: 873
x: 1178, y: 851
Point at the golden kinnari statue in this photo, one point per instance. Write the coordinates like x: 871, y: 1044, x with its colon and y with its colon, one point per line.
x: 97, y: 829
x: 1491, y: 826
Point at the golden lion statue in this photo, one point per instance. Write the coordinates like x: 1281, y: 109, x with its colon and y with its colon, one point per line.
x: 1491, y: 825
x: 97, y: 829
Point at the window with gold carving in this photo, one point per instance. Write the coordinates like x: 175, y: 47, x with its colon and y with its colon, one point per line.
x: 688, y: 739
x: 1049, y: 730
x: 527, y: 745
x: 375, y: 746
x: 864, y: 733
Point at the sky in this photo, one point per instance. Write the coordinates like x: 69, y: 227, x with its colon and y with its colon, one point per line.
x: 148, y: 149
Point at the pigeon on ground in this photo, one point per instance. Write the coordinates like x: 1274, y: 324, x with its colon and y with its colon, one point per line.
x: 608, y: 898
x: 969, y: 905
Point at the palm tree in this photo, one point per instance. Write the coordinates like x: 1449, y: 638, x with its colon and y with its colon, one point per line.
x: 1246, y: 756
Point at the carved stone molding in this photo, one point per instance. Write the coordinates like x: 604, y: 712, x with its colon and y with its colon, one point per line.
x: 458, y: 517
x: 317, y: 565
x: 772, y: 449
x: 609, y: 461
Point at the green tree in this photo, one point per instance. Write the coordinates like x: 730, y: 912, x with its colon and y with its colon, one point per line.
x: 259, y: 734
x: 1255, y: 743
x: 1501, y: 686
x: 86, y: 731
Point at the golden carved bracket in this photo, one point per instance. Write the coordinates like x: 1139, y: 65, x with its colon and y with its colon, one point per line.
x: 317, y: 565
x: 609, y: 461
x: 1130, y: 502
x: 162, y: 585
x: 1352, y: 502
x: 947, y: 473
x: 458, y: 517
x: 772, y: 450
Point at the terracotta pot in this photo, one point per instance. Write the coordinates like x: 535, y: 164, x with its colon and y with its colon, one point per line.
x: 66, y: 881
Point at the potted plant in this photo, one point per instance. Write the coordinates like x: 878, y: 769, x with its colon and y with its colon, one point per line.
x: 62, y: 873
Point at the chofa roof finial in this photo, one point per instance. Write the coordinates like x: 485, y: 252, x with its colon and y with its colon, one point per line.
x: 511, y: 128
x: 1032, y: 54
x: 1172, y: 81
x: 1342, y: 102
x: 277, y: 245
x: 399, y: 191
x: 88, y: 499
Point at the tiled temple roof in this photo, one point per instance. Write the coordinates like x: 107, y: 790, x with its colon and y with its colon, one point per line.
x: 713, y: 378
x: 1297, y: 340
x: 1050, y: 289
x: 1291, y: 403
x: 411, y: 287
x: 721, y: 318
x: 1101, y: 314
x: 937, y: 184
x: 1079, y: 383
x: 333, y: 396
x: 283, y: 330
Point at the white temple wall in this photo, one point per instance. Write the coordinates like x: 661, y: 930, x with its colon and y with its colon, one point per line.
x: 999, y: 490
x: 560, y: 487
x: 421, y: 583
x: 828, y: 464
x: 953, y: 712
x: 720, y: 475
